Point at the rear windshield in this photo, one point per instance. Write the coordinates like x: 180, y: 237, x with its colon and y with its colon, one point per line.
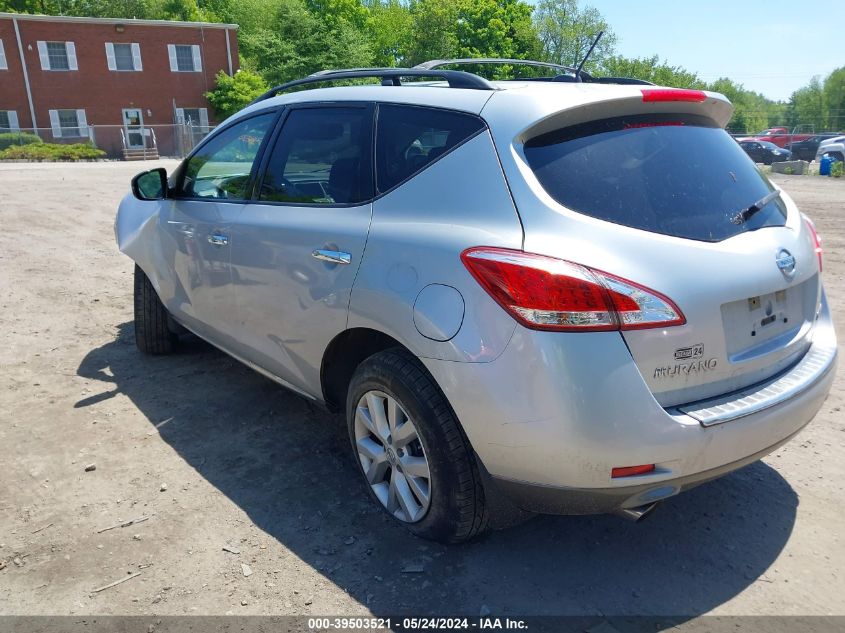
x: 677, y: 175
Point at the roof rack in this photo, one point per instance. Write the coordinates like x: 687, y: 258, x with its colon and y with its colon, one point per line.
x: 567, y: 70
x: 437, y: 63
x: 567, y: 75
x: 389, y: 77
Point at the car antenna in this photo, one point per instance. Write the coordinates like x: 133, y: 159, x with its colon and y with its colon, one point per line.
x: 587, y: 56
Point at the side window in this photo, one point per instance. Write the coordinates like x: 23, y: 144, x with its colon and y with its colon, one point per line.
x: 408, y: 138
x: 221, y: 168
x: 322, y: 156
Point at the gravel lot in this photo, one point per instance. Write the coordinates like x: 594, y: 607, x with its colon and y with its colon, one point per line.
x: 215, y: 455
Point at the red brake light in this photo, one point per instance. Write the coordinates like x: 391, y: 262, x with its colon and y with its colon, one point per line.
x: 817, y: 241
x: 631, y: 126
x: 546, y: 293
x: 652, y: 95
x: 628, y: 471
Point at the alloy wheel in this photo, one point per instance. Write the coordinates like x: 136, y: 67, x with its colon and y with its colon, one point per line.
x: 392, y: 456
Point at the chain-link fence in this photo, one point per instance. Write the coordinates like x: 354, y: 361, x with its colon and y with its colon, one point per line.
x: 117, y: 141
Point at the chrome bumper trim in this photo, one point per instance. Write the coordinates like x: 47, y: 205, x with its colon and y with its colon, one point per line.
x: 800, y: 377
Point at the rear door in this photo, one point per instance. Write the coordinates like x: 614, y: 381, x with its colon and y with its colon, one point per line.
x: 668, y: 201
x: 298, y: 245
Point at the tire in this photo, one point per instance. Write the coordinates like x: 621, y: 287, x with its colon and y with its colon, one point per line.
x: 152, y: 332
x: 456, y: 510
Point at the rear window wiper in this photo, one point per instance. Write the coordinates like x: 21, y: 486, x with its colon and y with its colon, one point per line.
x: 746, y: 214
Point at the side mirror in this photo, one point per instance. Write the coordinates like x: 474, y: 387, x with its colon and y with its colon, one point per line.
x: 150, y: 185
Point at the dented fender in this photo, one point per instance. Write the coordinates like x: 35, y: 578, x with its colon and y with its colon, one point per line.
x: 134, y: 232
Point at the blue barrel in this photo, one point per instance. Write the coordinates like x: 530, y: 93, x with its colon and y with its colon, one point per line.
x: 824, y: 165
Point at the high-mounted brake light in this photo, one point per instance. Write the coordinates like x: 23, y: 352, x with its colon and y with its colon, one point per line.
x: 546, y: 293
x: 817, y: 241
x: 653, y: 95
x: 631, y: 126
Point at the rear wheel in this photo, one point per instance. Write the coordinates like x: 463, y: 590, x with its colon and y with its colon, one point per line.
x: 416, y: 461
x: 152, y: 330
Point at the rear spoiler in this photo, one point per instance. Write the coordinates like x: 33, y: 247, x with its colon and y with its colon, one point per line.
x: 634, y: 101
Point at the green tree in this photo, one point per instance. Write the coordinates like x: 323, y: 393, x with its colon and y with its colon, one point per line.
x: 231, y: 94
x: 566, y: 33
x: 288, y: 41
x: 141, y: 9
x: 751, y: 109
x: 834, y: 98
x: 388, y: 28
x: 650, y: 69
x: 333, y: 13
x: 808, y: 107
x: 442, y: 29
x: 432, y: 33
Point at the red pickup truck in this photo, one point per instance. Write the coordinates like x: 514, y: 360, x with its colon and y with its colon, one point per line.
x: 780, y: 136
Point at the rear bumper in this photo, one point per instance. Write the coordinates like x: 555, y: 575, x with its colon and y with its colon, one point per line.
x: 554, y: 500
x: 553, y: 415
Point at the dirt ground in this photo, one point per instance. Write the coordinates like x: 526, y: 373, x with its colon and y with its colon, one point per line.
x: 213, y: 456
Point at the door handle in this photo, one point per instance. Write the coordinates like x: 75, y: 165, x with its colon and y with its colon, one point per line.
x: 335, y: 257
x: 218, y: 239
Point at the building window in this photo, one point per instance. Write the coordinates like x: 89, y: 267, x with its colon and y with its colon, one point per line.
x: 8, y: 120
x: 192, y: 116
x: 68, y: 123
x: 3, y: 64
x: 57, y: 55
x: 123, y: 57
x: 184, y: 59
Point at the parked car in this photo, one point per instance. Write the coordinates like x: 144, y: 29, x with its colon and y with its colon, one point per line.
x: 765, y: 152
x: 806, y: 149
x: 551, y: 296
x: 834, y: 146
x: 781, y: 136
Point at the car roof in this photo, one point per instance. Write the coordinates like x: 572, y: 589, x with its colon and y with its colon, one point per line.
x: 436, y: 94
x: 512, y: 108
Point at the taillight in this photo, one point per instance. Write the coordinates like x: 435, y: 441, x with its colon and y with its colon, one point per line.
x: 817, y: 241
x: 653, y: 95
x: 546, y: 293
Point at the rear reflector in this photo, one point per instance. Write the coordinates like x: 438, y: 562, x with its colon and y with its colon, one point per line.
x: 546, y: 293
x: 653, y: 95
x: 817, y: 241
x: 629, y: 471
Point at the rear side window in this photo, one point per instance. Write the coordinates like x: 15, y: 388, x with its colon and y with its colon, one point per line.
x: 322, y: 157
x: 677, y: 175
x: 409, y: 138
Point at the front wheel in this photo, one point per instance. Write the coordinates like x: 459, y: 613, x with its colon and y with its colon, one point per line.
x: 416, y: 461
x: 152, y: 328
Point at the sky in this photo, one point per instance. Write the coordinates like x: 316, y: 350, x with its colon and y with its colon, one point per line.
x: 770, y: 46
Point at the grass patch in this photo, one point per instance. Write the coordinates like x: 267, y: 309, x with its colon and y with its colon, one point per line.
x: 51, y: 152
x: 11, y: 139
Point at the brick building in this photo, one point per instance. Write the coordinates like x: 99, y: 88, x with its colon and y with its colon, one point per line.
x: 124, y: 84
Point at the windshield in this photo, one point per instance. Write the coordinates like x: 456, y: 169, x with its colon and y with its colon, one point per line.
x: 678, y: 175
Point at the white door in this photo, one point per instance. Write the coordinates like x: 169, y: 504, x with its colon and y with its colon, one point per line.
x: 133, y: 127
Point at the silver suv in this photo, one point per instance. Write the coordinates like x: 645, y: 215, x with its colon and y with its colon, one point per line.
x: 571, y: 295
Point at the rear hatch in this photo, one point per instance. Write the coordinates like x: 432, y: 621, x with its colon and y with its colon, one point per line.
x: 664, y: 197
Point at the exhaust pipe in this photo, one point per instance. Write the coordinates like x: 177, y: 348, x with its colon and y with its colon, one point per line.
x: 639, y: 513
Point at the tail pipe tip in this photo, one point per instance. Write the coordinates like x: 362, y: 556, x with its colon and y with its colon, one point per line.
x: 639, y: 513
